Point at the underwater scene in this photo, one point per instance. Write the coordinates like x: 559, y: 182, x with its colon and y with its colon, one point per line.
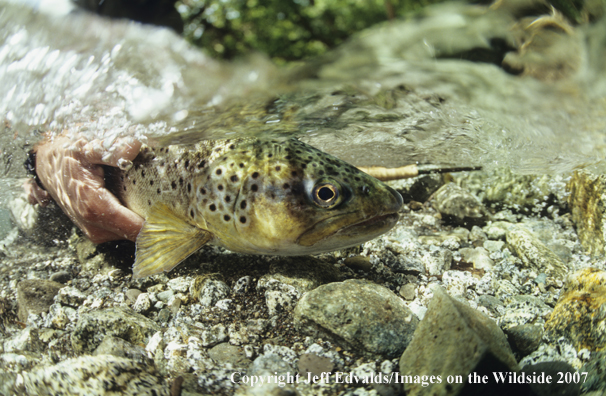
x: 326, y: 197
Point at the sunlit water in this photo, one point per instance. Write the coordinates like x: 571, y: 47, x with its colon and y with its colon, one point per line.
x: 383, y: 99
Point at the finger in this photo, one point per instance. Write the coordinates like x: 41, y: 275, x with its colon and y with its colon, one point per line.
x: 110, y: 152
x: 36, y: 195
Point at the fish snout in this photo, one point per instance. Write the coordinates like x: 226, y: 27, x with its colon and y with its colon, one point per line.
x: 396, y: 201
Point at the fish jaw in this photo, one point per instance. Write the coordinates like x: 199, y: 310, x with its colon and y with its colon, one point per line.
x: 353, y: 228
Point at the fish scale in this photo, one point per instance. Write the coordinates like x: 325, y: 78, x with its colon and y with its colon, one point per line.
x: 249, y: 195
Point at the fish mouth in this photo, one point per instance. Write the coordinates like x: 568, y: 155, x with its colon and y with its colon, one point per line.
x: 378, y: 221
x: 346, y: 232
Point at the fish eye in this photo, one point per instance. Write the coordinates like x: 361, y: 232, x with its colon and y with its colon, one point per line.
x: 326, y: 194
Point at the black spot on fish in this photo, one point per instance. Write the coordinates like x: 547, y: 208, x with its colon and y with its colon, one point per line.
x: 166, y: 150
x: 220, y: 187
x: 255, y: 175
x: 299, y: 152
x: 212, y: 207
x: 226, y: 218
x: 134, y: 182
x: 158, y: 191
x: 320, y: 172
x: 148, y: 202
x: 191, y: 213
x: 242, y: 219
x: 151, y: 182
x: 121, y: 178
x: 270, y: 155
x: 219, y: 171
x: 173, y: 185
x: 202, y: 190
x: 201, y: 164
x: 357, y: 178
x: 181, y: 181
x: 188, y: 187
x: 278, y: 168
x: 227, y: 198
x: 273, y: 196
x: 241, y: 165
x: 231, y: 147
x: 243, y: 205
x: 288, y: 157
x: 314, y: 165
x: 286, y: 186
x: 234, y: 178
x: 124, y: 188
x: 162, y: 163
x: 254, y: 187
x: 142, y: 172
x: 294, y: 173
x: 303, y: 166
x: 186, y: 164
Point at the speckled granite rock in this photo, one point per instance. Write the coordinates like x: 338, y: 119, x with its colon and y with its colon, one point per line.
x: 534, y: 253
x: 459, y: 206
x: 454, y: 339
x: 580, y: 312
x: 120, y: 322
x: 91, y: 376
x: 587, y: 201
x: 35, y: 296
x: 596, y: 373
x: 361, y: 313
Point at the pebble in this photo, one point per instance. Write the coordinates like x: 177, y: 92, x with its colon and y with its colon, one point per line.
x: 208, y: 290
x: 226, y: 353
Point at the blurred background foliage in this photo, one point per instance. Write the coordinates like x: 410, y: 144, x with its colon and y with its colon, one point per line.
x: 285, y: 30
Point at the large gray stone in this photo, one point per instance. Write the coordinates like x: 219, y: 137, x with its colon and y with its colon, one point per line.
x: 357, y: 314
x: 454, y: 339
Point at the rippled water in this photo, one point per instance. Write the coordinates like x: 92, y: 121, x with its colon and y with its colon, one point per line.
x: 392, y: 96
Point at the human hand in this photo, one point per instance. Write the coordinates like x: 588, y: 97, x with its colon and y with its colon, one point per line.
x: 72, y: 175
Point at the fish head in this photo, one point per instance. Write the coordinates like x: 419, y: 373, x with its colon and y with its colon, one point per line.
x: 292, y: 199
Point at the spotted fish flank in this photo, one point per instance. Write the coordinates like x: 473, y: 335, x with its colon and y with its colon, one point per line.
x: 257, y: 196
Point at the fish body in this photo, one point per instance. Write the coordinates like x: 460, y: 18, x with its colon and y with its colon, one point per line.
x: 249, y: 195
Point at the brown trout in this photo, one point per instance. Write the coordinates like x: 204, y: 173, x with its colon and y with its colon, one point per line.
x: 249, y: 195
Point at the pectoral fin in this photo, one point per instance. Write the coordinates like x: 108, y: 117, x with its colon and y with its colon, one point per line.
x: 164, y: 241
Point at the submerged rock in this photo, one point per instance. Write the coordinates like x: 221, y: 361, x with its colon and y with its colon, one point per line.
x: 578, y: 314
x: 94, y: 326
x: 459, y: 206
x: 92, y: 376
x: 454, y: 339
x: 363, y: 314
x: 524, y: 338
x: 35, y: 296
x: 534, y: 253
x: 587, y: 203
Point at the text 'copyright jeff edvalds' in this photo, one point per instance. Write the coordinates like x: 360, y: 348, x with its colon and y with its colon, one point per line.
x: 423, y: 380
